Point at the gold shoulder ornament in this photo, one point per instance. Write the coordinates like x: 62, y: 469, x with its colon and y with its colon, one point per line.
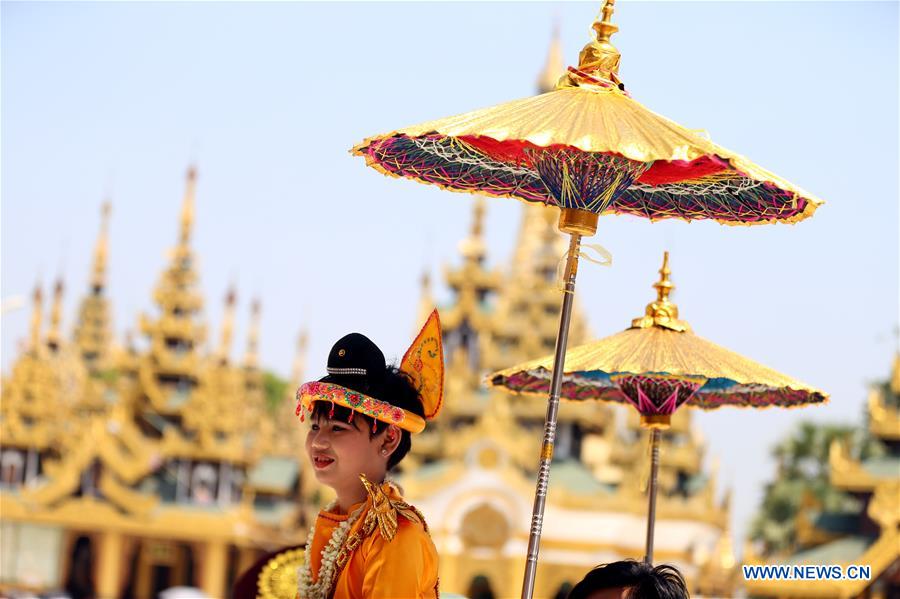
x: 384, y: 512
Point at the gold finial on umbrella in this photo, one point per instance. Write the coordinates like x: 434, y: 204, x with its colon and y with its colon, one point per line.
x: 662, y: 312
x: 599, y: 56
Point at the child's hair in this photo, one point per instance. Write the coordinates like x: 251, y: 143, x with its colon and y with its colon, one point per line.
x: 397, y: 389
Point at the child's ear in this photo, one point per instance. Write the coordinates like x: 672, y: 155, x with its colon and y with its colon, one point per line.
x: 391, y: 440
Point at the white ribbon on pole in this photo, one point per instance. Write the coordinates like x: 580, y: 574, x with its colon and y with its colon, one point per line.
x: 601, y: 256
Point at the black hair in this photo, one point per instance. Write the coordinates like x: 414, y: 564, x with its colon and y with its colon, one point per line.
x: 397, y: 389
x: 642, y: 580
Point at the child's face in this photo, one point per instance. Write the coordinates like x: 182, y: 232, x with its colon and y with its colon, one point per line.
x: 339, y: 451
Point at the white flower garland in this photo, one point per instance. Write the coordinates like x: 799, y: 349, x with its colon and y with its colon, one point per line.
x: 322, y: 587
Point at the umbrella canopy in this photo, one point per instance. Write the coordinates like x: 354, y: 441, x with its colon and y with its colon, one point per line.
x: 657, y: 365
x: 684, y: 368
x: 588, y: 145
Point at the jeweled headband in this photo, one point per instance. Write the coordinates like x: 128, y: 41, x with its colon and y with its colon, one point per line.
x: 423, y: 363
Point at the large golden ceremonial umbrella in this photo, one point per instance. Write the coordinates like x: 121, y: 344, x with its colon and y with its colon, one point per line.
x: 657, y: 365
x: 588, y: 148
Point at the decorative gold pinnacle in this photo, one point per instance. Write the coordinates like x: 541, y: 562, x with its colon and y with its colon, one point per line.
x: 187, y: 208
x: 227, y: 325
x: 426, y: 301
x: 605, y: 27
x: 251, y: 358
x: 472, y: 248
x: 662, y: 312
x: 299, y: 364
x: 37, y: 299
x: 478, y: 220
x: 599, y: 58
x: 53, y: 334
x: 101, y: 250
x: 664, y: 286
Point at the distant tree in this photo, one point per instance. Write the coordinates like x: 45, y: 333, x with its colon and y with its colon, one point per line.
x: 803, y: 469
x: 276, y: 390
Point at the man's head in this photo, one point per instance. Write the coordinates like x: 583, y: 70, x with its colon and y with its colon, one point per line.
x: 629, y: 579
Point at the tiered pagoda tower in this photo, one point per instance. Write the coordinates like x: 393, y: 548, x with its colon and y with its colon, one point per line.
x: 169, y: 372
x: 32, y: 399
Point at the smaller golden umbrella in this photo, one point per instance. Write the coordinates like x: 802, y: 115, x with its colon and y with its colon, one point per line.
x: 657, y: 365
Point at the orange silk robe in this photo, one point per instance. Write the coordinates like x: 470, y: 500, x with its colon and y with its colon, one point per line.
x: 406, y: 566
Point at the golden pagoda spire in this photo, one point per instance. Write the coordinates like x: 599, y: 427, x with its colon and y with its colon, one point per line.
x: 37, y: 299
x: 426, y: 301
x: 526, y: 308
x: 53, y: 334
x: 662, y: 312
x: 466, y: 323
x: 187, y: 207
x: 724, y: 549
x: 524, y: 321
x: 91, y: 334
x: 299, y: 365
x: 170, y: 371
x: 251, y: 358
x: 716, y: 576
x: 227, y: 326
x: 472, y: 248
x: 555, y: 65
x: 478, y: 220
x: 101, y: 250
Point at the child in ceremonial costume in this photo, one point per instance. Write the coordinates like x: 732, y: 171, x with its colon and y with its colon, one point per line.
x: 369, y: 543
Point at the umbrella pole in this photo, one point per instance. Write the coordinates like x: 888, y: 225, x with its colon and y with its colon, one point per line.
x: 651, y: 511
x: 543, y: 481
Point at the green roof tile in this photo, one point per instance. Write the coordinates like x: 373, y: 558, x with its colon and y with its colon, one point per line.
x: 838, y: 551
x: 278, y: 473
x: 575, y: 477
x: 883, y: 467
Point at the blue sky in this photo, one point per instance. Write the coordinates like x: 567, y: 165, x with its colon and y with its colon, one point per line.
x: 266, y: 98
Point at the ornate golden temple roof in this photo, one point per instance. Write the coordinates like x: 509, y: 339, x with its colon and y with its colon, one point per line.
x: 169, y: 442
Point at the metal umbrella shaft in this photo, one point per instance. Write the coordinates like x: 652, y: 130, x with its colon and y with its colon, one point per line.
x: 543, y: 479
x: 655, y: 435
